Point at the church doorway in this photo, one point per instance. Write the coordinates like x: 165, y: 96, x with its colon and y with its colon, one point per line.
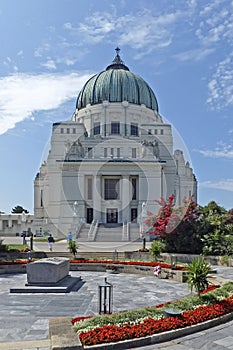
x: 89, y: 215
x: 112, y: 216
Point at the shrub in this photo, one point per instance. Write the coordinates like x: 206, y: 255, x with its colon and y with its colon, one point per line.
x: 157, y: 247
x: 197, y: 274
x: 73, y: 248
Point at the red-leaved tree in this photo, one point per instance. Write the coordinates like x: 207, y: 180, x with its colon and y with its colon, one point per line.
x: 172, y: 219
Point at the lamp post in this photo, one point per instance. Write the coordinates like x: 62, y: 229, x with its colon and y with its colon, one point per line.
x: 75, y: 217
x: 142, y: 218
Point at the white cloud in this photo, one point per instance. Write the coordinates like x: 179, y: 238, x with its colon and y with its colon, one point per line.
x: 50, y: 64
x: 141, y: 30
x: 225, y: 151
x: 216, y: 22
x: 20, y: 53
x: 23, y: 94
x: 226, y: 185
x: 44, y: 48
x: 194, y: 55
x: 221, y: 85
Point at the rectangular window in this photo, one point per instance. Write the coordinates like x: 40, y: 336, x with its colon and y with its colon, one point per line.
x: 134, y: 188
x: 89, y: 152
x: 118, y: 152
x: 41, y: 198
x: 134, y: 129
x: 134, y: 152
x: 111, y: 189
x: 96, y: 130
x: 115, y: 128
x: 68, y: 130
x: 105, y: 152
x: 156, y: 131
x: 112, y: 152
x: 161, y: 132
x: 74, y: 131
x: 149, y: 132
x: 62, y: 130
x: 89, y: 189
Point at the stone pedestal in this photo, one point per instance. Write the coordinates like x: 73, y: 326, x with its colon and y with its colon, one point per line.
x: 48, y: 271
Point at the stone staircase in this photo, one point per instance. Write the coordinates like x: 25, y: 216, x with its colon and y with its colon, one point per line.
x: 83, y: 233
x: 109, y: 233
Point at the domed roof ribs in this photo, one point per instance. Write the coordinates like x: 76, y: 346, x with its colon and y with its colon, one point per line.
x: 117, y: 84
x: 117, y: 63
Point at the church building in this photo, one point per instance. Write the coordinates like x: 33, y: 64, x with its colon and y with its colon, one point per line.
x: 110, y: 162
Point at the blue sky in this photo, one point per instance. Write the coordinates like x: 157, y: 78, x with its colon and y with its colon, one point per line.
x: 182, y: 48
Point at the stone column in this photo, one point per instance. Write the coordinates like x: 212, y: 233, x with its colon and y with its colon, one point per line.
x: 125, y: 198
x: 81, y: 196
x: 97, y: 198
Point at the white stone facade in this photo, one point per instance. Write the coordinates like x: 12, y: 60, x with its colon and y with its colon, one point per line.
x: 109, y: 160
x: 12, y: 224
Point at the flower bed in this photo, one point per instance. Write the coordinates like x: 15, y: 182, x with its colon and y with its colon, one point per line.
x: 154, y: 323
x: 134, y: 263
x: 115, y: 333
x: 15, y: 262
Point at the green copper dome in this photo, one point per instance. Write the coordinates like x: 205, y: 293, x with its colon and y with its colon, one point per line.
x: 116, y: 84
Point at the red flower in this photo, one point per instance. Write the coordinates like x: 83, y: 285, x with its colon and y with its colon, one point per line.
x: 114, y: 333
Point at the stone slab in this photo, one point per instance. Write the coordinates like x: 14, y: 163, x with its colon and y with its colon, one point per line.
x: 62, y: 335
x: 47, y: 271
x: 63, y: 286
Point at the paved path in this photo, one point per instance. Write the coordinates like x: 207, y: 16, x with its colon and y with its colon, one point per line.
x: 25, y: 317
x: 62, y: 246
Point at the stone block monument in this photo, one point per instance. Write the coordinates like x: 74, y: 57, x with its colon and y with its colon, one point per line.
x: 49, y: 275
x: 47, y: 271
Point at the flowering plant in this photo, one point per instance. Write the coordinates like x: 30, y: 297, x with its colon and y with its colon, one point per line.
x: 144, y: 322
x: 15, y: 262
x: 115, y: 333
x: 139, y: 263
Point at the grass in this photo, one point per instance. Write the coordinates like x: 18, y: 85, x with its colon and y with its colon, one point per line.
x: 16, y: 247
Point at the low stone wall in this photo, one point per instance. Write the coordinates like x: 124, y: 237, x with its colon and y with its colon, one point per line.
x: 187, y: 258
x: 135, y: 255
x: 17, y: 268
x: 12, y: 255
x: 176, y: 275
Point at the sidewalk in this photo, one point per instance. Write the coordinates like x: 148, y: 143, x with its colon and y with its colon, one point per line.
x: 62, y: 246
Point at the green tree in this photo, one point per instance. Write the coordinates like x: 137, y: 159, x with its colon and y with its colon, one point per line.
x: 216, y: 230
x: 197, y: 274
x: 18, y: 209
